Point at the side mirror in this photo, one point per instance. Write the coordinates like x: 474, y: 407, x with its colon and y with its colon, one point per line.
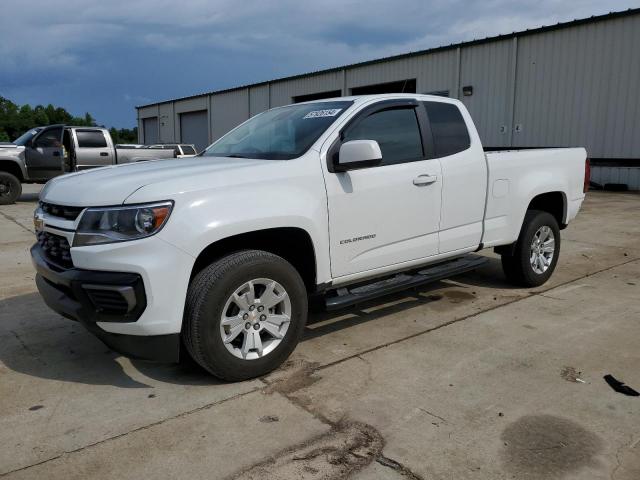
x: 358, y: 154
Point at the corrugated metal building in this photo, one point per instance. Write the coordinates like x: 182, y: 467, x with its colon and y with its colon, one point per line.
x: 570, y: 84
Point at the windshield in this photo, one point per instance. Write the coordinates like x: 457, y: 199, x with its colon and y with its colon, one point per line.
x: 279, y: 134
x: 25, y: 137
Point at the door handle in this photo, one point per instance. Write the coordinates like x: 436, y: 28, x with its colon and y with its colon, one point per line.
x: 422, y: 180
x: 104, y: 154
x: 56, y: 153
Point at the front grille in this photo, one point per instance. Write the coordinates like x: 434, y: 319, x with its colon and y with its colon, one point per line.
x: 108, y: 301
x: 55, y: 248
x: 68, y: 213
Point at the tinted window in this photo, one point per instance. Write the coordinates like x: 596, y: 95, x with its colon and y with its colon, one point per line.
x: 23, y: 139
x: 188, y: 150
x: 91, y: 139
x: 279, y: 134
x: 450, y: 134
x: 396, y: 131
x: 50, y: 139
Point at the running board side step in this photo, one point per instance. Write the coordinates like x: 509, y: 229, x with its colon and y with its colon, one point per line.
x: 346, y: 297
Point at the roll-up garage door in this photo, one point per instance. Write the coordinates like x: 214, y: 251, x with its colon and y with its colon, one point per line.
x: 194, y: 129
x: 150, y: 128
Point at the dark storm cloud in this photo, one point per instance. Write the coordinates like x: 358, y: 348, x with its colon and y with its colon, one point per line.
x: 107, y: 56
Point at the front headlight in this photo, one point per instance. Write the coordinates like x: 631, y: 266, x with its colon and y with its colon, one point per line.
x: 119, y: 224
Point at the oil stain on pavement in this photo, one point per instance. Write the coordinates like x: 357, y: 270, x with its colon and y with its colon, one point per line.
x: 548, y: 447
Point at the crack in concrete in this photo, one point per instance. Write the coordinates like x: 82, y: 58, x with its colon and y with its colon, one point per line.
x: 398, y: 467
x: 12, y: 219
x: 26, y: 348
x: 630, y: 445
x: 432, y: 414
x: 345, y: 449
x: 474, y: 314
x: 139, y: 429
x: 288, y: 386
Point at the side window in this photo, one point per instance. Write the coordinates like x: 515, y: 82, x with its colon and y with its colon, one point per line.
x: 50, y: 139
x: 188, y: 150
x: 396, y: 131
x: 450, y: 134
x: 91, y: 139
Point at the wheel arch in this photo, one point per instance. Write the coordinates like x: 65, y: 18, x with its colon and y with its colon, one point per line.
x: 554, y: 203
x: 294, y: 244
x: 13, y: 167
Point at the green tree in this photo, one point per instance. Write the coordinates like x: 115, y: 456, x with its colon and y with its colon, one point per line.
x: 124, y: 135
x: 40, y: 116
x: 17, y: 119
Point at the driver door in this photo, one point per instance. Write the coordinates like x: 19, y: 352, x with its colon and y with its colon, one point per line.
x: 44, y: 157
x: 388, y: 214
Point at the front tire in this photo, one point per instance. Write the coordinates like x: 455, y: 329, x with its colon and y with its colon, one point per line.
x: 10, y: 188
x: 535, y: 255
x: 244, y: 314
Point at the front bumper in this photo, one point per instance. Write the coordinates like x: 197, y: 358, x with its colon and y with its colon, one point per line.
x: 90, y: 296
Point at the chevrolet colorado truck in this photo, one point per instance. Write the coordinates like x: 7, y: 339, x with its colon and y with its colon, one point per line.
x: 46, y: 152
x: 344, y: 200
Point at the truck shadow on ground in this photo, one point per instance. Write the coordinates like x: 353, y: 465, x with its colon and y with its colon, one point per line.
x: 36, y: 342
x: 28, y: 198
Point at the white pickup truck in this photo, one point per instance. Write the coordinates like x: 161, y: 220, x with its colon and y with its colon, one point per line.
x: 347, y: 199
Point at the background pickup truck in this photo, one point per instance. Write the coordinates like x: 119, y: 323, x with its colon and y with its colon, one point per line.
x: 46, y: 152
x: 342, y: 200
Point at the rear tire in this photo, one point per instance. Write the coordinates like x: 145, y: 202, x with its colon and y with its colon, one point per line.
x: 536, y: 252
x: 232, y: 314
x: 10, y: 188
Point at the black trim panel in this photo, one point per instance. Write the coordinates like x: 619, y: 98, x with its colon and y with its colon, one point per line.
x: 62, y: 290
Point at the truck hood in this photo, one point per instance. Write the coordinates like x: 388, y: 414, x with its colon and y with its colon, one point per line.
x: 10, y: 150
x: 112, y: 185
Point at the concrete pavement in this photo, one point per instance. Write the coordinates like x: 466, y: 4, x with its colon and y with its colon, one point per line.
x: 467, y: 378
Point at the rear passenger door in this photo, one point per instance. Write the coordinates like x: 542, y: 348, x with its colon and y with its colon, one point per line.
x: 464, y: 174
x: 92, y: 148
x: 387, y: 214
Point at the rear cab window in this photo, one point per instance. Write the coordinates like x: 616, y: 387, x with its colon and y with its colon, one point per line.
x: 449, y: 130
x: 91, y: 139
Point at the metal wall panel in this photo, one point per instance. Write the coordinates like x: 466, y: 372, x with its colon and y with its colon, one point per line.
x: 187, y: 105
x: 577, y: 86
x: 150, y: 111
x: 258, y: 99
x: 562, y: 87
x: 165, y: 117
x: 488, y: 69
x: 145, y: 112
x: 282, y: 92
x: 630, y: 176
x: 150, y: 130
x: 228, y: 110
x: 194, y: 128
x: 433, y: 72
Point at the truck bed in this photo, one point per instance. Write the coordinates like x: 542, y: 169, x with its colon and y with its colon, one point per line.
x: 129, y: 155
x: 515, y: 175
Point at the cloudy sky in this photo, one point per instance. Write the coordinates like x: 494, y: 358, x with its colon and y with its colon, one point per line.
x: 106, y: 56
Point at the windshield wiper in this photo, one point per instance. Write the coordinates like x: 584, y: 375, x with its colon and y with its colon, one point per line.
x: 236, y: 155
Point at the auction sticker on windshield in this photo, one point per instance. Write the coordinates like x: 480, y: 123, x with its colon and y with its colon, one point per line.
x: 323, y: 113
